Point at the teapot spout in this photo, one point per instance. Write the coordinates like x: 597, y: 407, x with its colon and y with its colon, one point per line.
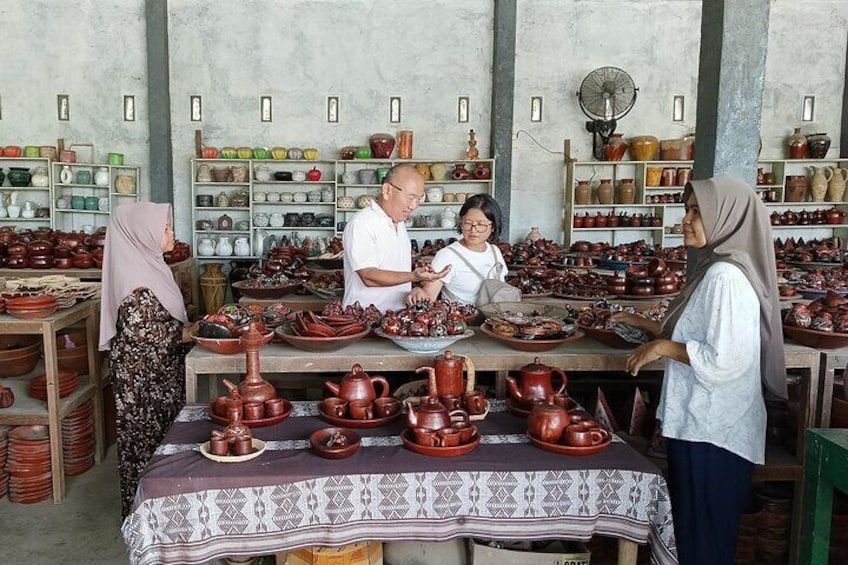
x: 332, y: 387
x: 431, y: 379
x: 513, y: 389
x: 411, y: 415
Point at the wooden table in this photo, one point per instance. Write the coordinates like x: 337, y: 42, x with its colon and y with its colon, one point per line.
x: 27, y: 410
x: 192, y: 510
x: 827, y: 463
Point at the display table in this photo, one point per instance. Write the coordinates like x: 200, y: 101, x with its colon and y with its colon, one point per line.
x: 827, y: 461
x: 27, y: 411
x: 192, y: 510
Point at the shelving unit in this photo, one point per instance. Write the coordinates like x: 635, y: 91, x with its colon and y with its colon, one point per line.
x: 88, y: 202
x: 40, y: 197
x: 271, y: 200
x: 671, y: 213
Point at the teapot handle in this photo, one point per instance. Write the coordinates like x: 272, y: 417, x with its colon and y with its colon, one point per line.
x: 458, y: 414
x: 471, y: 374
x: 562, y: 376
x: 384, y: 385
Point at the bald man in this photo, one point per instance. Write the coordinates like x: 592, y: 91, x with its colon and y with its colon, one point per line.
x: 377, y: 255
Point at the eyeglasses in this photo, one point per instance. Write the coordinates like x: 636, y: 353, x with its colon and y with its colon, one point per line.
x: 478, y: 227
x: 411, y: 198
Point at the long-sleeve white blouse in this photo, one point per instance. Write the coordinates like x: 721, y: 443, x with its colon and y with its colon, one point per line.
x: 718, y: 398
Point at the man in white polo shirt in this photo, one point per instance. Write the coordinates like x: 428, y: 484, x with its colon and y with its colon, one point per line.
x: 377, y: 255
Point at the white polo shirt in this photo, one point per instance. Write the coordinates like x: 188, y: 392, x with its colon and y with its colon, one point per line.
x: 371, y: 239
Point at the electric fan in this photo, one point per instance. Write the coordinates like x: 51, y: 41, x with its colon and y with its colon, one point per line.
x: 606, y: 94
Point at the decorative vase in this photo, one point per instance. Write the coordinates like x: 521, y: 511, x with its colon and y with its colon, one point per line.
x: 424, y: 169
x: 604, y: 192
x: 439, y: 171
x: 204, y: 173
x: 817, y: 145
x: 472, y: 152
x: 66, y: 176
x: 125, y: 184
x: 224, y: 247
x: 405, y: 144
x: 644, y: 147
x: 836, y: 186
x: 240, y: 174
x: 797, y: 144
x: 40, y: 177
x: 626, y: 192
x: 534, y: 235
x: 459, y: 172
x: 818, y: 182
x: 796, y: 188
x: 382, y: 145
x: 84, y: 176
x: 213, y: 287
x: 653, y: 175
x: 482, y: 171
x: 582, y: 193
x: 615, y: 147
x: 101, y: 177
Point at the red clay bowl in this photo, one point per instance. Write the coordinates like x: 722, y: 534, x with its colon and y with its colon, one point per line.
x: 226, y: 346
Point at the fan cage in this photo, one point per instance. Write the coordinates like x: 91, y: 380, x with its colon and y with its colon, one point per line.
x: 607, y: 93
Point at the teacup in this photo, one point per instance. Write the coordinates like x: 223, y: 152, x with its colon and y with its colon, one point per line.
x: 466, y: 431
x: 449, y: 437
x: 425, y: 436
x: 335, y: 406
x: 361, y: 409
x: 242, y: 446
x: 450, y: 401
x: 449, y: 197
x: 254, y: 411
x: 583, y: 435
x: 219, y: 446
x: 475, y: 402
x: 461, y: 196
x: 386, y: 406
x: 274, y: 407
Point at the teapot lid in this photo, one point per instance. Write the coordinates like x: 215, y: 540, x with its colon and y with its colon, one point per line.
x: 536, y: 366
x: 447, y: 356
x: 355, y: 371
x: 431, y: 404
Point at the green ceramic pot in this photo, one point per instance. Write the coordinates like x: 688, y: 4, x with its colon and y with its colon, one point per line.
x: 32, y: 151
x: 83, y: 176
x: 91, y: 203
x: 19, y: 176
x: 78, y: 202
x: 116, y: 158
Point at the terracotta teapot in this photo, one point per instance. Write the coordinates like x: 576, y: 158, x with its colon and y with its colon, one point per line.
x: 357, y: 385
x: 547, y: 421
x: 432, y: 414
x: 535, y: 383
x: 447, y: 378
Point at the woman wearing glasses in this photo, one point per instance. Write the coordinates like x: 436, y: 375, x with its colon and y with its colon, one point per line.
x: 470, y: 257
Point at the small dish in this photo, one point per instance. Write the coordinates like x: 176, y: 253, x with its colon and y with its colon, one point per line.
x: 462, y: 449
x: 258, y: 449
x: 319, y: 439
x: 530, y: 345
x: 563, y: 449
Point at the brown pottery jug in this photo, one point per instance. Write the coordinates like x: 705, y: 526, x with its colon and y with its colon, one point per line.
x: 448, y: 375
x: 536, y: 383
x: 357, y: 385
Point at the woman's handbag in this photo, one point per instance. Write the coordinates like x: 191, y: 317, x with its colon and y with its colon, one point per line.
x: 492, y: 290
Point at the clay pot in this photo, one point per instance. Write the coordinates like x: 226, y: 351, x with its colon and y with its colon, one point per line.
x: 432, y: 415
x: 536, y: 383
x: 797, y: 145
x: 604, y: 192
x: 817, y: 145
x: 796, y: 188
x: 357, y: 385
x: 615, y: 147
x: 547, y: 422
x: 626, y: 192
x: 582, y: 193
x: 644, y: 147
x: 382, y: 145
x: 673, y: 150
x: 459, y: 172
x: 818, y: 182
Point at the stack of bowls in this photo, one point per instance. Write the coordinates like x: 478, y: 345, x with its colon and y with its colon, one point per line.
x: 68, y: 383
x: 4, y: 476
x: 18, y: 354
x: 78, y: 440
x: 28, y: 464
x: 773, y: 526
x: 31, y: 307
x: 746, y: 540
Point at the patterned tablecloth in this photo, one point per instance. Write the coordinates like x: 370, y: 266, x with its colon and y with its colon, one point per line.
x: 192, y: 510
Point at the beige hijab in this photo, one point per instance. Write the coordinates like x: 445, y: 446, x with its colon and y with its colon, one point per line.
x: 738, y: 232
x: 133, y: 259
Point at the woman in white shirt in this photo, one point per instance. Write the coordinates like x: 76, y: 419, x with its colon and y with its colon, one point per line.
x: 472, y: 258
x: 723, y: 342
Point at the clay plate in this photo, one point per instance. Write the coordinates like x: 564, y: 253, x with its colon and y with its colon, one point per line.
x: 549, y: 310
x: 811, y: 338
x: 265, y: 293
x: 530, y: 345
x: 318, y: 344
x: 351, y: 423
x: 258, y: 449
x: 225, y: 346
x: 608, y: 338
x: 37, y: 433
x: 408, y: 441
x: 567, y: 449
x: 222, y: 420
x: 813, y: 293
x: 318, y: 439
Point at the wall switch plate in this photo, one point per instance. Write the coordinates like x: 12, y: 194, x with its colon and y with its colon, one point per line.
x: 129, y: 108
x: 63, y: 107
x: 333, y: 109
x: 535, y: 108
x: 678, y: 109
x: 196, y: 108
x: 265, y: 108
x: 462, y: 110
x: 394, y: 109
x: 808, y: 109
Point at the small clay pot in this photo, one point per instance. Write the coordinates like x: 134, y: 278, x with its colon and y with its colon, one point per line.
x: 219, y: 446
x: 425, y: 436
x: 254, y: 410
x: 242, y: 446
x: 449, y: 437
x: 274, y: 407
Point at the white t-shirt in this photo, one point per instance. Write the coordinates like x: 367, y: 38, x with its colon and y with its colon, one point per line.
x: 461, y: 283
x: 371, y: 239
x: 718, y: 398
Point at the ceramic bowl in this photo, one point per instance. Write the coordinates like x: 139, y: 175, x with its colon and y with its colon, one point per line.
x: 300, y: 197
x: 18, y: 355
x: 319, y: 439
x: 273, y: 197
x: 286, y: 197
x: 424, y: 344
x: 298, y: 176
x: 318, y: 344
x: 259, y: 196
x: 226, y: 346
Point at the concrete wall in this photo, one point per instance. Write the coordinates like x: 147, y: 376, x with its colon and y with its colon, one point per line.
x: 364, y: 51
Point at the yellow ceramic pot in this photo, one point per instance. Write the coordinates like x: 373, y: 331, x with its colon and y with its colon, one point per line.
x: 279, y: 153
x: 424, y: 169
x: 644, y: 147
x: 310, y: 153
x: 245, y: 152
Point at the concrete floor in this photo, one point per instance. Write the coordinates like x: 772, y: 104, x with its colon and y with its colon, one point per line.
x: 85, y: 529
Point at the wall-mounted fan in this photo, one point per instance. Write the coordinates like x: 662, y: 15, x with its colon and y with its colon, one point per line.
x: 606, y: 94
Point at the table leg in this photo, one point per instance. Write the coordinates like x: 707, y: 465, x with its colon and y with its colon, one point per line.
x: 190, y: 385
x: 826, y: 392
x: 51, y: 368
x: 91, y: 334
x: 627, y: 552
x: 500, y: 383
x: 213, y: 386
x: 818, y: 504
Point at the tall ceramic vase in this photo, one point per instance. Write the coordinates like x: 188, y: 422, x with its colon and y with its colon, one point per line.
x: 213, y: 287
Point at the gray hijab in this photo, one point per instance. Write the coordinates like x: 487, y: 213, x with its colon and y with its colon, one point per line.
x: 738, y: 232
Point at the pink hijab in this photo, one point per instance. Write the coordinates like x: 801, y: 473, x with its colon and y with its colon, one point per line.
x: 133, y: 259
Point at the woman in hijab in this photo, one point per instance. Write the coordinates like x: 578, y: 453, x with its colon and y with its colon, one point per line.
x: 723, y: 342
x: 143, y: 324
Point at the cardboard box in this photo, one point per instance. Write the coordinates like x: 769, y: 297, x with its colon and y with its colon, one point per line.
x: 555, y: 553
x: 361, y: 553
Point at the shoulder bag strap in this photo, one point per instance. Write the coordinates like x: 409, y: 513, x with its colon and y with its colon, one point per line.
x: 467, y: 262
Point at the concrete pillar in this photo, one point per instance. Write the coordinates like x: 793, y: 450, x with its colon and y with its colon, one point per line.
x: 734, y: 43
x: 503, y: 98
x: 159, y: 101
x: 843, y: 138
